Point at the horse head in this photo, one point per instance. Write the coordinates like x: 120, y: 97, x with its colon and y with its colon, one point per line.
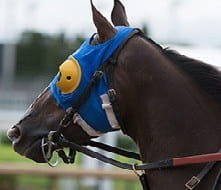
x: 169, y: 104
x: 45, y: 113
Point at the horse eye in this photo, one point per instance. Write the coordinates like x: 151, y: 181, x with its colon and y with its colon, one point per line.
x: 68, y: 77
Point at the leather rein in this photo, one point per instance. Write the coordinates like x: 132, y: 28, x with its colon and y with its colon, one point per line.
x: 57, y: 142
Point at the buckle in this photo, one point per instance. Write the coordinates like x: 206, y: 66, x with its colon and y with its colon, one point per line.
x: 67, y: 119
x: 192, y: 183
x: 112, y: 95
x: 98, y: 74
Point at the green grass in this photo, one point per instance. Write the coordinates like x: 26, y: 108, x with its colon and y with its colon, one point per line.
x: 7, y: 154
x: 25, y: 182
x: 119, y: 185
x: 42, y: 183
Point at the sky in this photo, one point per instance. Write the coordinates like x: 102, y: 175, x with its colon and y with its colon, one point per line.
x: 187, y: 21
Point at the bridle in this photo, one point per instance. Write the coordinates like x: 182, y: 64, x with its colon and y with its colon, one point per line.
x: 57, y: 142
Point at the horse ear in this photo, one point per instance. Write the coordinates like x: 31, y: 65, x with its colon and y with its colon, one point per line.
x: 104, y: 29
x: 118, y: 15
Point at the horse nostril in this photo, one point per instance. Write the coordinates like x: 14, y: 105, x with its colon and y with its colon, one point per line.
x: 14, y: 134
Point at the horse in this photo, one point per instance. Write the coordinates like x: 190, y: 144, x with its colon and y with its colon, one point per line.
x: 168, y: 104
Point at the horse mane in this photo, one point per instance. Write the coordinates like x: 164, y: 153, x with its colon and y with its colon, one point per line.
x: 206, y: 76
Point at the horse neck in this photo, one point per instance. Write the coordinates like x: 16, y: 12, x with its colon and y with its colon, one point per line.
x: 162, y: 108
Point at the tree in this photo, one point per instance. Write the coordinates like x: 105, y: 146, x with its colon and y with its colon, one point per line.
x: 41, y: 54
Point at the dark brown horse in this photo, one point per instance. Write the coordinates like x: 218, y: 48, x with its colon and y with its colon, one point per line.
x: 169, y: 105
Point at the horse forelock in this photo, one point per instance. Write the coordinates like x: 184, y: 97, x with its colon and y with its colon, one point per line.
x: 206, y: 76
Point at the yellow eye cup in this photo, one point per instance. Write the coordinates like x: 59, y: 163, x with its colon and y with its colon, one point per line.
x: 70, y: 76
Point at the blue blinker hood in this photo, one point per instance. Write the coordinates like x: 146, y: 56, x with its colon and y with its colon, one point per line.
x: 90, y: 58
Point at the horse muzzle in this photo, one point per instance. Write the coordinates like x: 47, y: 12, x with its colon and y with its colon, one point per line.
x: 14, y: 134
x: 28, y: 147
